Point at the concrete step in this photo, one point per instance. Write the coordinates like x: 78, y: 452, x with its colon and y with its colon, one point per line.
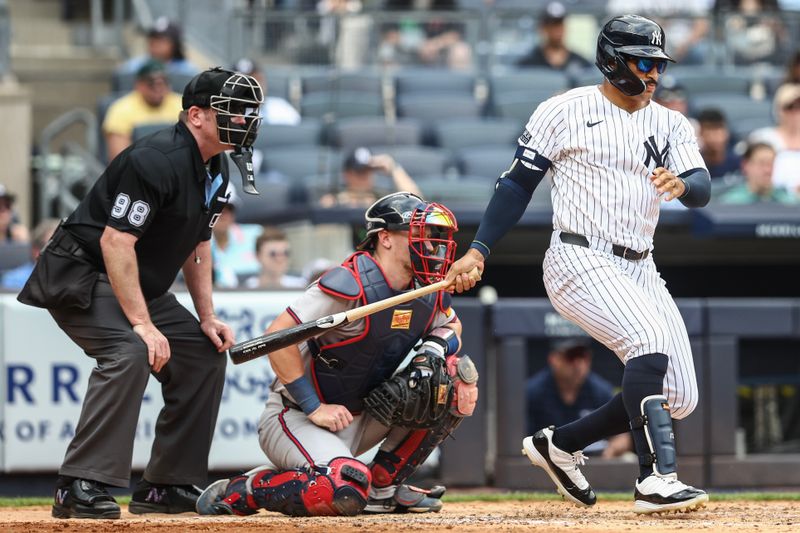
x: 40, y: 9
x: 33, y: 31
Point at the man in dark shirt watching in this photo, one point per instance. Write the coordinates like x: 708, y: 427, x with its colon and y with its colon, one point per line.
x: 567, y: 389
x: 104, y: 277
x: 551, y: 52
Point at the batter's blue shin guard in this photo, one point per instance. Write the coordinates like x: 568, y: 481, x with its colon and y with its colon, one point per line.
x: 656, y: 422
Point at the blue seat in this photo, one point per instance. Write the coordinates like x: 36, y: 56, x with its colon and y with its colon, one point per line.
x: 462, y: 133
x: 374, y: 131
x: 308, y: 132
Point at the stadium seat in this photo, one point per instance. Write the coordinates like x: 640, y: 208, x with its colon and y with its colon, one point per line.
x: 519, y: 105
x: 308, y: 132
x: 146, y: 129
x: 701, y: 81
x: 438, y: 106
x: 274, y: 200
x: 527, y: 79
x: 736, y: 107
x: 373, y: 131
x: 334, y: 81
x: 429, y: 82
x: 14, y: 254
x: 418, y: 160
x: 278, y: 83
x: 463, y: 133
x: 298, y: 161
x: 485, y: 161
x: 467, y: 191
x: 341, y: 104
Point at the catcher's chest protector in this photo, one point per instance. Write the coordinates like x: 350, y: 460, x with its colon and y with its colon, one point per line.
x: 346, y: 371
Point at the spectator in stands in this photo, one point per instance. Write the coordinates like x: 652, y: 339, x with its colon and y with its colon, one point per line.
x: 164, y: 44
x: 552, y: 51
x: 10, y: 229
x: 757, y: 167
x: 435, y: 43
x: 685, y: 21
x: 753, y: 30
x: 274, y: 110
x: 672, y: 95
x: 785, y: 137
x: 358, y: 173
x: 273, y: 252
x: 15, y: 278
x: 567, y: 389
x: 715, y: 145
x: 150, y: 102
x: 233, y: 245
x: 793, y: 69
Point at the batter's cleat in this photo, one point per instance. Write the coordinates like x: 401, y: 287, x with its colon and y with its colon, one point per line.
x: 561, y: 466
x: 168, y: 499
x: 84, y: 498
x: 408, y: 499
x: 657, y: 494
x: 225, y: 497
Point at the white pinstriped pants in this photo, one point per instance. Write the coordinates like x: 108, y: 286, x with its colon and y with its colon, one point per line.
x: 626, y: 306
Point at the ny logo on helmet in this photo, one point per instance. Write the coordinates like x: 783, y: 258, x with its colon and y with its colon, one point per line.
x: 656, y: 38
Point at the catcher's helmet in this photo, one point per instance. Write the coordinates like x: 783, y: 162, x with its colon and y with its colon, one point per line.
x: 631, y: 36
x: 430, y: 229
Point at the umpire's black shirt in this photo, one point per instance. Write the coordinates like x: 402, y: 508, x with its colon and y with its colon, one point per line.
x: 156, y: 190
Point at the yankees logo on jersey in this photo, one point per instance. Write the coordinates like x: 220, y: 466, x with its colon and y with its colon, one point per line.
x: 602, y: 158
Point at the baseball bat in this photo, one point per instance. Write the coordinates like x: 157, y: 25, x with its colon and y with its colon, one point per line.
x: 255, y: 348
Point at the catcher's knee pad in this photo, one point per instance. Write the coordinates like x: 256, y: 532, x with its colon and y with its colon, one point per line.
x: 337, y: 489
x: 656, y: 421
x: 395, y: 466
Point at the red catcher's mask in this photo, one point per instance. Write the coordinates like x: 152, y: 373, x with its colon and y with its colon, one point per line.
x: 430, y: 241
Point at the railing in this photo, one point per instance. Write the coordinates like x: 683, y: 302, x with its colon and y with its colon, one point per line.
x: 5, y: 39
x: 65, y: 174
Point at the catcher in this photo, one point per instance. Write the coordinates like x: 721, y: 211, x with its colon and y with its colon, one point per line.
x: 340, y: 394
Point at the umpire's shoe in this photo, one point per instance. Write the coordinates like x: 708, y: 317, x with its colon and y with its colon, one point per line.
x: 408, y: 499
x: 656, y: 494
x: 561, y: 466
x: 170, y: 499
x: 84, y: 498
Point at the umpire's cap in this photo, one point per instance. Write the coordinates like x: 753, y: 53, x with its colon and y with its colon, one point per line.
x: 628, y: 36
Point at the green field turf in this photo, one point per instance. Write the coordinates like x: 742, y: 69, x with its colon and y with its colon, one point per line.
x: 500, y: 497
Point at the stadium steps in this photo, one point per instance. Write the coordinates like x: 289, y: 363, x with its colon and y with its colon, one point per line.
x: 59, y: 74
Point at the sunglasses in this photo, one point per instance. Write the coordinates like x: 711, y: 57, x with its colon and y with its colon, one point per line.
x: 645, y: 65
x: 794, y: 106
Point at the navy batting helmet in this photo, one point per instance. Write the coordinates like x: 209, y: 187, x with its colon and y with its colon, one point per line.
x: 628, y: 36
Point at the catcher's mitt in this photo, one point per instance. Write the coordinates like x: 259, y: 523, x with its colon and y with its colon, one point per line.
x: 419, y: 396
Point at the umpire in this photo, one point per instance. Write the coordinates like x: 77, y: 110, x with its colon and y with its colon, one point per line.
x: 105, y: 276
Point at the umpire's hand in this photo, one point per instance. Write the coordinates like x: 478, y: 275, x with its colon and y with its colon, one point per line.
x: 157, y: 345
x: 218, y: 331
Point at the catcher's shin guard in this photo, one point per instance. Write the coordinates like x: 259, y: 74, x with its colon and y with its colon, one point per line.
x: 394, y: 467
x: 340, y: 488
x: 656, y: 421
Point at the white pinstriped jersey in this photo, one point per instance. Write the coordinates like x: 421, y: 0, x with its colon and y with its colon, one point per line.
x: 602, y: 159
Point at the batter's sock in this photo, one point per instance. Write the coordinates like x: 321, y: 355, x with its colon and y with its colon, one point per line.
x: 605, y: 421
x: 643, y: 376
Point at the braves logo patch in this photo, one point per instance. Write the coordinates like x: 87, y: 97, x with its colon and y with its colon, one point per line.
x: 401, y: 319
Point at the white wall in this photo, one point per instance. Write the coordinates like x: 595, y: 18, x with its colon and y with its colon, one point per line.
x: 44, y: 378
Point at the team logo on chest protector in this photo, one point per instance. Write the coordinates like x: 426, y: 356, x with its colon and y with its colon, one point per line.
x: 654, y: 154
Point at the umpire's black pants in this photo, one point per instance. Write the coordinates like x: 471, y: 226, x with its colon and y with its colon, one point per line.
x: 191, y: 383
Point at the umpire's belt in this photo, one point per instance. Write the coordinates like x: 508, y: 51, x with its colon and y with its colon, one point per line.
x: 619, y: 251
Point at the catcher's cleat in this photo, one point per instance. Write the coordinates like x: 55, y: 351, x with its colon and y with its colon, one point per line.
x: 225, y: 497
x: 657, y: 494
x: 169, y: 499
x: 84, y: 498
x: 408, y: 499
x: 561, y: 466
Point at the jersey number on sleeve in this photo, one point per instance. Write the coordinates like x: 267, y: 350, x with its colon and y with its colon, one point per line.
x: 138, y: 210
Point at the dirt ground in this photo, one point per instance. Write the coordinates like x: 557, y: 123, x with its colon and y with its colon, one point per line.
x: 461, y: 517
